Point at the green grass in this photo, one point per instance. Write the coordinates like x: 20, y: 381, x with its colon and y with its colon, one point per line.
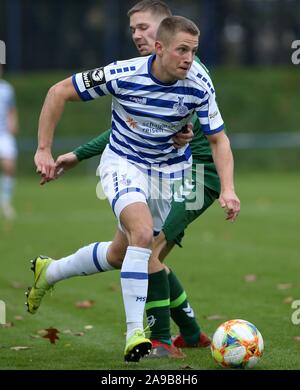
x: 57, y: 219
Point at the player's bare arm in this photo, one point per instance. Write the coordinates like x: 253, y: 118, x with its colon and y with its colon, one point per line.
x: 13, y: 121
x: 52, y: 110
x: 223, y: 159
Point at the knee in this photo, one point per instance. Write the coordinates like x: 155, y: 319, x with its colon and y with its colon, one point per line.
x: 9, y: 167
x: 141, y: 237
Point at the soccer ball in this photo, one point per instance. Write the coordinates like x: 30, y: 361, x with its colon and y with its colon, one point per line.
x: 237, y: 344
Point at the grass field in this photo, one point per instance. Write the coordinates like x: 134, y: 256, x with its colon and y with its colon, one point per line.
x: 57, y: 219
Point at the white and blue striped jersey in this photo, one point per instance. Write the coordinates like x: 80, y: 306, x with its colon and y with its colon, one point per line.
x: 7, y: 102
x: 147, y: 113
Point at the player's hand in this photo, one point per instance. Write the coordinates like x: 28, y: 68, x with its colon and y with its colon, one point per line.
x: 231, y: 204
x: 45, y: 165
x: 184, y: 136
x: 65, y: 162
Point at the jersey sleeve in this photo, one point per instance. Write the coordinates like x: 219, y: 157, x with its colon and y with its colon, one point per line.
x: 94, y: 147
x: 209, y: 115
x: 92, y: 84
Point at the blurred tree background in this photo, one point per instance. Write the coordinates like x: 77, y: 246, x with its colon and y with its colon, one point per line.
x: 245, y: 43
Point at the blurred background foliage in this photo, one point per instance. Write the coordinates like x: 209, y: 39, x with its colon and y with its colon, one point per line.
x: 245, y: 43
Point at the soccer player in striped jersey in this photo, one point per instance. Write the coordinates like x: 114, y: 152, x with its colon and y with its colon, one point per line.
x: 153, y: 98
x: 8, y: 147
x: 145, y: 18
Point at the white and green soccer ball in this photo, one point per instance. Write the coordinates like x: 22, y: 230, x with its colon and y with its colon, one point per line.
x: 237, y: 344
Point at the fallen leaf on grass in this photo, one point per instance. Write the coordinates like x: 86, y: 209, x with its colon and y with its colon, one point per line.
x: 85, y: 304
x: 88, y: 327
x: 19, y: 348
x: 42, y: 332
x: 16, y: 284
x: 52, y: 335
x: 67, y: 331
x: 250, y: 278
x: 214, y: 317
x: 19, y: 318
x: 288, y: 300
x: 186, y: 367
x: 297, y: 338
x: 78, y: 334
x: 7, y: 325
x: 114, y: 287
x: 34, y: 336
x: 284, y: 286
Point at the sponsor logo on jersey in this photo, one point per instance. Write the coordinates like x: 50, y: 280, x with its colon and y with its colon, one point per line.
x: 94, y: 77
x: 98, y: 75
x: 156, y: 128
x: 138, y: 100
x: 180, y: 107
x: 213, y: 115
x: 86, y: 80
x: 131, y: 122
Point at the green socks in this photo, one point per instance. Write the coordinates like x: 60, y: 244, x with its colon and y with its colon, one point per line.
x: 158, y: 306
x: 166, y: 297
x: 181, y: 311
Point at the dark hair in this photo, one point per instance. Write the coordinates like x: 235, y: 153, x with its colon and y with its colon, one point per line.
x: 174, y: 24
x: 155, y: 6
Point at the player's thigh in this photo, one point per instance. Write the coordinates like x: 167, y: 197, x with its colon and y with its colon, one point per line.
x: 126, y: 188
x: 181, y: 216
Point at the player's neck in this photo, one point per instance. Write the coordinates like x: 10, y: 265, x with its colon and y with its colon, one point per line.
x: 160, y: 73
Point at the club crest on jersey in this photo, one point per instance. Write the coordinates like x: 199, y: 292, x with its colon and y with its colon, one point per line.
x: 180, y: 107
x: 125, y: 181
x: 94, y: 77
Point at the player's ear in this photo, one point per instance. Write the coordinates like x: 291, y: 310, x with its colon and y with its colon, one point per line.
x: 158, y: 48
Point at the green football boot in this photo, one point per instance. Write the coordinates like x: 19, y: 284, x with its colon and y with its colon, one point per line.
x: 35, y: 294
x: 137, y: 346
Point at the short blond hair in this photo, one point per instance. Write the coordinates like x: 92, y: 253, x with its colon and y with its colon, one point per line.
x: 156, y: 7
x: 172, y: 25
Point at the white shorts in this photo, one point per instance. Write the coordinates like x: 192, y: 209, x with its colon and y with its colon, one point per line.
x: 123, y: 184
x: 8, y: 147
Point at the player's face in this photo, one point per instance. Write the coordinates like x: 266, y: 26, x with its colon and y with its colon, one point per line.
x: 177, y: 57
x: 144, y: 26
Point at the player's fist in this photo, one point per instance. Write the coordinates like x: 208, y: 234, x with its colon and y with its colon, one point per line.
x: 184, y: 136
x: 65, y: 162
x: 45, y: 165
x: 231, y: 204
